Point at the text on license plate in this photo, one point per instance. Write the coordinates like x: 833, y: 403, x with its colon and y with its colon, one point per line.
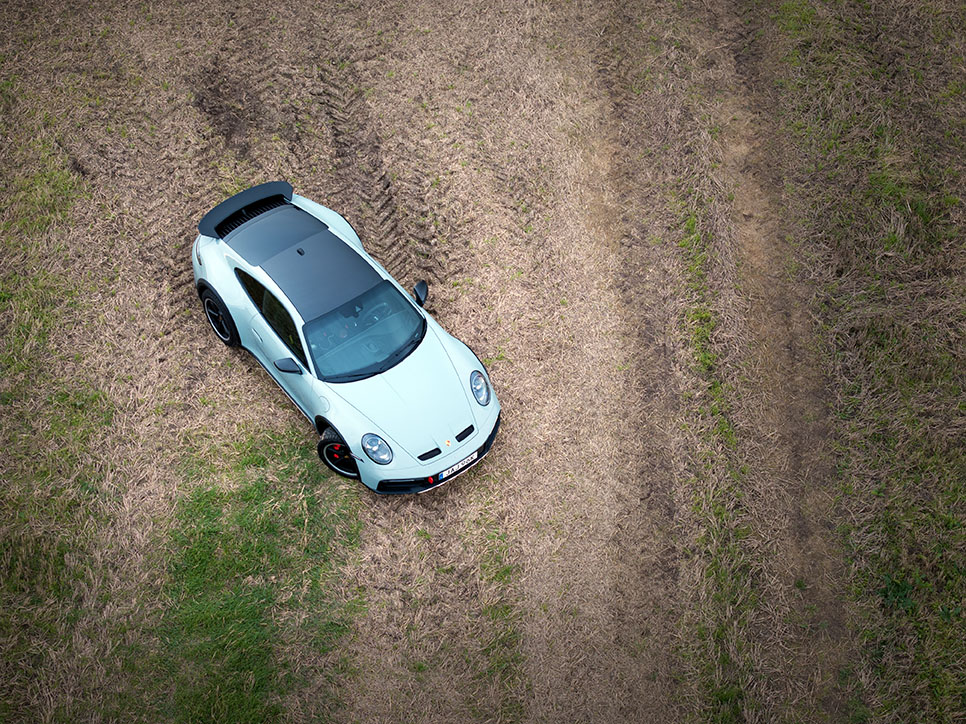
x: 459, y: 466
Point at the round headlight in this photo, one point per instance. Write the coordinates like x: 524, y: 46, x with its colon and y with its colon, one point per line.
x: 377, y: 449
x: 481, y: 390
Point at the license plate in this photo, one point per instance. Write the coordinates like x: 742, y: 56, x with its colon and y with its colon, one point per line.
x: 459, y: 466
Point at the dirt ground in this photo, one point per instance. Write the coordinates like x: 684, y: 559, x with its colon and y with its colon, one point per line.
x: 530, y: 160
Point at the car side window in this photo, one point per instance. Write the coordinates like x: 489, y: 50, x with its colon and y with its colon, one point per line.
x: 255, y: 290
x: 281, y: 321
x: 275, y: 314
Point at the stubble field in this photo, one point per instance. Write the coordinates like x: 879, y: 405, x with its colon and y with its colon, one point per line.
x: 712, y: 255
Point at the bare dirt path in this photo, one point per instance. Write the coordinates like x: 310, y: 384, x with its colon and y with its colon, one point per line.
x: 554, y: 226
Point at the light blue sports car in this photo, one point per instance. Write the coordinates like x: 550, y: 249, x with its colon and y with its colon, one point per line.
x: 398, y: 403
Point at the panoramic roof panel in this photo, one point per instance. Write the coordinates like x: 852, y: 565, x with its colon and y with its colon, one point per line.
x: 320, y: 273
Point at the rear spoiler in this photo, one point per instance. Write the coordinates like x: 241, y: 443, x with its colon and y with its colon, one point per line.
x: 239, y: 201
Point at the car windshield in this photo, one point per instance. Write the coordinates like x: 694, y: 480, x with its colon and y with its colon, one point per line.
x: 365, y: 336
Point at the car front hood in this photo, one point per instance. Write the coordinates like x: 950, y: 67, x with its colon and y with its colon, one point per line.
x: 419, y: 404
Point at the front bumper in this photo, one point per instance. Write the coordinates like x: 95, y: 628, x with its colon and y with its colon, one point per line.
x: 421, y: 485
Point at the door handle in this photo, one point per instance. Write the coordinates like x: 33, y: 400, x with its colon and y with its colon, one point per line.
x: 257, y: 335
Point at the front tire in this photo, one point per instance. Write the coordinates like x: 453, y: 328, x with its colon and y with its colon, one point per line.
x: 336, y: 455
x: 220, y: 318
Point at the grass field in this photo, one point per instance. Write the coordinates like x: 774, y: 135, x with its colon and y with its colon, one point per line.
x: 876, y: 119
x: 712, y: 254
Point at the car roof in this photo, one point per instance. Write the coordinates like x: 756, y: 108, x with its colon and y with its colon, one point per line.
x: 315, y: 269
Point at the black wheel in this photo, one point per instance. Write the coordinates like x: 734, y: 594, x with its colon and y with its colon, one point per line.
x: 336, y: 455
x: 219, y: 318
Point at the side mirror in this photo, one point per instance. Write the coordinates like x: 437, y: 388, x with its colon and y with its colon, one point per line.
x: 421, y: 292
x: 288, y: 365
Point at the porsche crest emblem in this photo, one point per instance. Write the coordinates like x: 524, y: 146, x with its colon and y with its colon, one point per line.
x: 447, y: 443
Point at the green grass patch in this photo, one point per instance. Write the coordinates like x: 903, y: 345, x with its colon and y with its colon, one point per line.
x: 34, y: 201
x: 50, y: 496
x: 716, y: 646
x: 259, y: 540
x: 795, y: 17
x: 907, y: 552
x: 31, y: 303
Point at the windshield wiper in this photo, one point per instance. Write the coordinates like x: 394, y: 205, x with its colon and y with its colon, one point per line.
x: 410, y: 345
x: 353, y: 377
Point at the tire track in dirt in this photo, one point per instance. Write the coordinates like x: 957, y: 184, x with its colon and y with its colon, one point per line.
x: 800, y: 629
x: 649, y: 591
x: 427, y: 641
x: 651, y: 281
x: 400, y: 240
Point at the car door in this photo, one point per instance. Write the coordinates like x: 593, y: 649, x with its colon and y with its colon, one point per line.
x: 275, y: 337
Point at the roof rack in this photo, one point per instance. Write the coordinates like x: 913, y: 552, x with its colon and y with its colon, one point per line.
x: 235, y: 211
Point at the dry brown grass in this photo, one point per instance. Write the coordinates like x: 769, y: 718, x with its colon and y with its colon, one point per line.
x: 521, y: 194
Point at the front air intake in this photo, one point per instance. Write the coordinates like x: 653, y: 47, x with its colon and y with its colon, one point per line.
x: 430, y: 454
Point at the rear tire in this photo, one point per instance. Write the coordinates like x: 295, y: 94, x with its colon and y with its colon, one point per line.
x: 336, y: 455
x: 219, y: 318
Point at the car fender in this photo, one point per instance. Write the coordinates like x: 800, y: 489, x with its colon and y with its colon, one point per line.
x: 463, y: 358
x: 352, y: 424
x: 464, y: 362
